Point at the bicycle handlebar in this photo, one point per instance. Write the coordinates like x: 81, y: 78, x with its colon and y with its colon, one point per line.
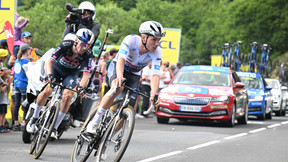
x: 63, y: 87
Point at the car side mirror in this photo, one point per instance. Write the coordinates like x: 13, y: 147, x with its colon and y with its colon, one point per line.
x: 239, y: 85
x: 268, y: 88
x: 167, y: 81
x: 284, y: 88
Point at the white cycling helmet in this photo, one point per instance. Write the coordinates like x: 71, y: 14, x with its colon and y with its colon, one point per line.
x: 152, y: 28
x: 85, y: 35
x: 88, y: 6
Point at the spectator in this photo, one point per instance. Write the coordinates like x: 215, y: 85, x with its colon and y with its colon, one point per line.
x: 20, y: 22
x: 87, y: 21
x: 25, y: 38
x: 20, y: 80
x: 164, y: 75
x: 4, y: 91
x: 172, y: 70
x: 3, y: 44
x: 146, y: 89
x: 102, y: 69
x: 112, y: 54
x: 178, y: 67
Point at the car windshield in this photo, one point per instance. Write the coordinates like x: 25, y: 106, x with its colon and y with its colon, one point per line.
x: 203, y: 78
x: 273, y: 83
x: 252, y: 82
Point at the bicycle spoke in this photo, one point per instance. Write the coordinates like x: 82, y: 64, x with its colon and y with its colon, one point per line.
x: 117, y: 138
x: 84, y: 144
x: 46, y: 124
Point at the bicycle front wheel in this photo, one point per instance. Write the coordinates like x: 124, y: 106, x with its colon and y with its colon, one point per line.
x: 82, y: 147
x: 45, y: 124
x: 268, y: 68
x: 116, y: 139
x: 36, y: 134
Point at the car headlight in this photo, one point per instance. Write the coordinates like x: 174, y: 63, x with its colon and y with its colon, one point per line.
x: 220, y: 99
x: 165, y: 96
x: 256, y: 98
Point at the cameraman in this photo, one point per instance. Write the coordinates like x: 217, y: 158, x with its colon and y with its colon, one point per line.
x: 84, y: 19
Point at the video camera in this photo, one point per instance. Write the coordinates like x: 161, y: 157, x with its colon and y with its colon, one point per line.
x: 75, y: 14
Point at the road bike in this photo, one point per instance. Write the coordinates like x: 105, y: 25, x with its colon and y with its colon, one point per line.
x: 252, y: 58
x: 113, y: 133
x: 283, y: 73
x: 265, y: 62
x: 236, y: 57
x: 226, y: 56
x: 46, y: 121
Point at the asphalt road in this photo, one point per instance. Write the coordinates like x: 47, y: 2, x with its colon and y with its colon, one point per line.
x: 195, y: 141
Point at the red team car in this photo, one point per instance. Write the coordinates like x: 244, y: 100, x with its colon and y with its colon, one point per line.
x: 204, y: 92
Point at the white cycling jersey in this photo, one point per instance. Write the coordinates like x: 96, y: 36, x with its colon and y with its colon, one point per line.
x: 134, y: 62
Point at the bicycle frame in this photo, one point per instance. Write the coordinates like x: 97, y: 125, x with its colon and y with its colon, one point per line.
x: 252, y: 60
x: 237, y: 57
x: 226, y: 56
x: 262, y: 64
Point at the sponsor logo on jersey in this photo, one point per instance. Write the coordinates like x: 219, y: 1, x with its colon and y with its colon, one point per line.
x: 158, y: 59
x: 157, y: 67
x: 123, y: 51
x: 133, y: 49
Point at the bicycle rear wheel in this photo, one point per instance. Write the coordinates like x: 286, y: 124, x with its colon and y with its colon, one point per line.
x: 233, y: 61
x: 46, y: 124
x: 82, y: 148
x: 115, y: 142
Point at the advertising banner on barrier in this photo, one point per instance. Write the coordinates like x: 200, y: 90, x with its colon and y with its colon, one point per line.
x: 7, y: 9
x: 170, y: 45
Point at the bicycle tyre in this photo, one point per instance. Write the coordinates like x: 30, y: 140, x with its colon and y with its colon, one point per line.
x: 268, y: 69
x: 113, y: 150
x: 260, y: 67
x: 77, y: 155
x: 50, y: 121
x: 35, y: 135
x: 252, y: 64
x: 27, y: 137
x: 233, y: 61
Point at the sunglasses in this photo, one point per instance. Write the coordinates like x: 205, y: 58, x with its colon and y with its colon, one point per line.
x: 84, y: 45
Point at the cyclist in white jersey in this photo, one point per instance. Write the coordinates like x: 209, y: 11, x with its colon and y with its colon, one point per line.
x: 134, y: 54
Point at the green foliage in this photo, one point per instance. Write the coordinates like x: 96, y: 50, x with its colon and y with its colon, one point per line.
x: 205, y: 24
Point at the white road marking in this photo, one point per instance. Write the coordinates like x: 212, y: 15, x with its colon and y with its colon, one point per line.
x: 274, y: 125
x: 255, y: 122
x: 285, y: 122
x: 203, y: 145
x: 161, y: 156
x: 236, y: 136
x: 257, y: 130
x: 214, y: 142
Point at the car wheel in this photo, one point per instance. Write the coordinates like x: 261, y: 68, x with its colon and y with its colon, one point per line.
x: 162, y: 120
x: 283, y: 109
x: 244, y: 118
x: 231, y: 122
x: 263, y: 116
x: 269, y: 115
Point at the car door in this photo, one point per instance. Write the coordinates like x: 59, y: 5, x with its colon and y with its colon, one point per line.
x: 240, y: 93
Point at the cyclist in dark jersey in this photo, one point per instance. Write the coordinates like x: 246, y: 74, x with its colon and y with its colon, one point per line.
x: 67, y: 60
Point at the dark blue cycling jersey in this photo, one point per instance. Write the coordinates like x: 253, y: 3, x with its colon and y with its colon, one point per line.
x: 63, y: 57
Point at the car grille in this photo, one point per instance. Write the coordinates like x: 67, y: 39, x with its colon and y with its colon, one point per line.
x: 192, y: 101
